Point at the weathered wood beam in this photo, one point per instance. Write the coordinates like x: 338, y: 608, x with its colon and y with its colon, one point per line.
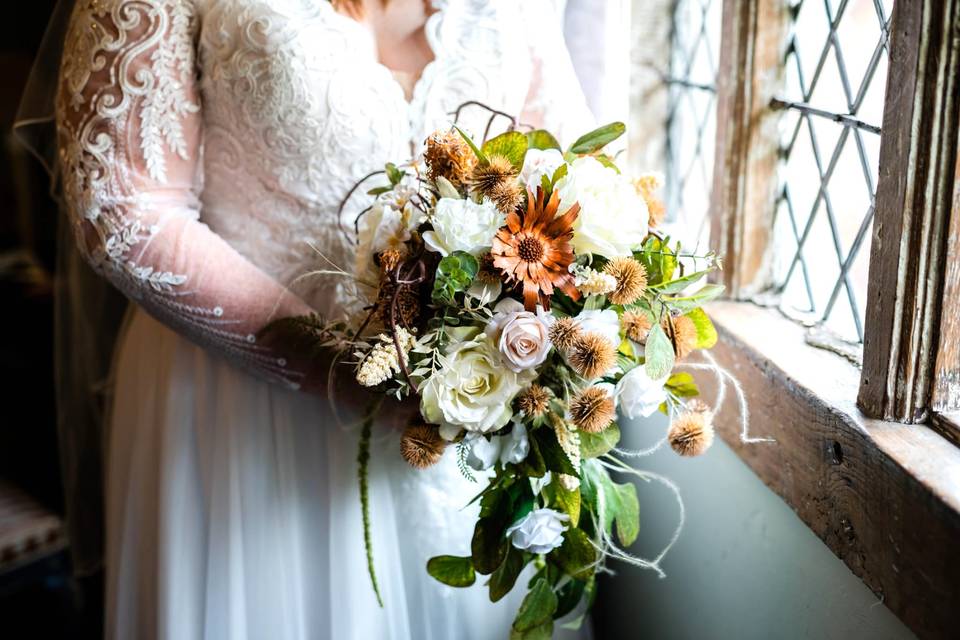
x: 883, y: 496
x: 909, y: 254
x: 750, y: 74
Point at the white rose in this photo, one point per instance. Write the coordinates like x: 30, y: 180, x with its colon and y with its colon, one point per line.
x: 463, y: 225
x: 473, y: 390
x: 540, y: 531
x: 481, y: 452
x: 605, y: 322
x: 538, y: 163
x: 613, y: 218
x: 515, y: 445
x: 538, y: 484
x: 639, y: 395
x: 521, y: 336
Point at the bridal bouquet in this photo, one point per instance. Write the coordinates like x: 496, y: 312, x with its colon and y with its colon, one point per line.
x: 522, y: 293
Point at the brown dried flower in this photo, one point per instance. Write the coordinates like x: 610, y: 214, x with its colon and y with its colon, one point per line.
x: 448, y: 155
x: 636, y: 324
x: 408, y: 303
x: 593, y: 410
x: 631, y: 280
x: 646, y: 185
x: 486, y: 178
x: 507, y: 195
x: 564, y: 333
x: 691, y: 433
x: 488, y: 273
x: 389, y: 260
x: 592, y: 355
x: 421, y: 445
x: 683, y: 334
x: 534, y: 401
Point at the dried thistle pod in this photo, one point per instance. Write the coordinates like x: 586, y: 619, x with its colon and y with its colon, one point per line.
x: 534, y: 401
x: 637, y: 325
x: 593, y: 409
x: 631, y: 280
x: 592, y: 355
x: 421, y: 445
x: 564, y: 333
x: 683, y: 333
x: 691, y: 433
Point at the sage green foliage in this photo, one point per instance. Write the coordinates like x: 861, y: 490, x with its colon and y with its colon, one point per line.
x: 454, y: 274
x: 620, y: 503
x: 542, y: 140
x: 537, y: 608
x: 455, y: 571
x: 659, y: 353
x: 682, y: 385
x: 512, y: 145
x: 598, y: 138
x: 706, y: 332
x: 594, y: 445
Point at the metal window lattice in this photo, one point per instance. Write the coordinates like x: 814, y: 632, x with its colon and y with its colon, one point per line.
x: 833, y: 102
x: 691, y: 116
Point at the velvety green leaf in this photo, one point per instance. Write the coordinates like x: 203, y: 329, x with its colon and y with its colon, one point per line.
x: 658, y: 259
x: 481, y: 156
x: 594, y: 445
x: 598, y: 138
x: 537, y: 607
x: 512, y: 145
x: 452, y: 570
x: 553, y: 456
x: 503, y: 579
x: 542, y: 632
x: 569, y: 597
x: 694, y: 300
x: 706, y: 332
x: 489, y: 546
x: 540, y: 139
x: 659, y: 353
x: 576, y: 555
x: 677, y: 285
x: 568, y: 501
x: 628, y: 513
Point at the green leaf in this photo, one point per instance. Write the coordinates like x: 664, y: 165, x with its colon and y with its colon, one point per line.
x: 628, y: 513
x: 454, y: 274
x: 569, y: 501
x: 378, y: 190
x: 658, y: 259
x: 706, y: 332
x: 553, y: 456
x: 489, y: 546
x: 598, y: 138
x: 607, y: 161
x: 452, y: 570
x: 682, y: 385
x: 659, y: 353
x: 694, y: 300
x: 576, y: 555
x: 594, y: 445
x: 394, y: 174
x: 537, y: 607
x: 679, y: 284
x: 559, y: 174
x: 540, y: 139
x: 512, y: 145
x: 569, y: 596
x: 543, y: 632
x: 481, y: 156
x: 503, y: 579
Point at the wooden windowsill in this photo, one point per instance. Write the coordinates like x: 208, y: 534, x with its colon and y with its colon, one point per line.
x: 885, y: 497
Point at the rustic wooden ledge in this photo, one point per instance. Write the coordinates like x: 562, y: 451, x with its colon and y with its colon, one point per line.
x: 885, y: 497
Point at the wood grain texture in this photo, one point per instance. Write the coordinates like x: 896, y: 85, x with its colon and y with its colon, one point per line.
x: 946, y: 386
x: 885, y: 497
x: 750, y: 74
x: 914, y: 198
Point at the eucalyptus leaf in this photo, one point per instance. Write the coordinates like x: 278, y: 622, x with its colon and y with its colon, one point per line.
x: 706, y: 332
x: 598, y: 138
x: 503, y: 579
x: 594, y: 445
x: 452, y: 570
x: 537, y: 607
x: 658, y: 353
x: 541, y: 139
x: 512, y: 145
x: 576, y: 555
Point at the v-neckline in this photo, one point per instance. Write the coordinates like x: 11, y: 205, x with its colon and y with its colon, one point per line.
x: 428, y: 27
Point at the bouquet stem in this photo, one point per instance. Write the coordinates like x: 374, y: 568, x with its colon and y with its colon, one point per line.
x: 363, y: 470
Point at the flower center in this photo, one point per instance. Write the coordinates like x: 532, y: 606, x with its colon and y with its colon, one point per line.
x: 530, y: 249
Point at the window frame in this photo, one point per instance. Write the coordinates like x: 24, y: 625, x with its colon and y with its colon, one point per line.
x: 866, y: 455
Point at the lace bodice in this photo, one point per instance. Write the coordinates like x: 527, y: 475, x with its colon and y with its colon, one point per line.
x: 205, y: 146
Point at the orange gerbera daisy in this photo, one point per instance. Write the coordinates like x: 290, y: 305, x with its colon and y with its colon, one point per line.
x: 533, y: 250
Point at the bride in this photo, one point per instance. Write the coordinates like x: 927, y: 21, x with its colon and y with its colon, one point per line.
x: 204, y: 148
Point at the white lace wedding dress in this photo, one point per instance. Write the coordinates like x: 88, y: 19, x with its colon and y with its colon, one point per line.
x: 205, y: 146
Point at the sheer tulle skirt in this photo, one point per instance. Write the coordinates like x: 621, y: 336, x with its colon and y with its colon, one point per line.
x: 233, y: 512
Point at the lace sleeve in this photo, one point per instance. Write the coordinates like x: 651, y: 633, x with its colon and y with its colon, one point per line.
x: 555, y: 100
x: 129, y: 137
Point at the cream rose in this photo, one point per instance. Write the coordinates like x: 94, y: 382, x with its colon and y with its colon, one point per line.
x: 613, y: 218
x: 637, y: 394
x: 605, y: 322
x: 473, y: 390
x: 463, y: 225
x: 521, y: 336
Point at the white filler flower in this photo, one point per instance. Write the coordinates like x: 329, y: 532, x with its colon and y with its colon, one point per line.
x: 463, y: 225
x: 540, y: 531
x: 613, y: 218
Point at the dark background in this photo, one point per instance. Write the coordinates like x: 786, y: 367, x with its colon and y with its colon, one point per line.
x: 38, y: 598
